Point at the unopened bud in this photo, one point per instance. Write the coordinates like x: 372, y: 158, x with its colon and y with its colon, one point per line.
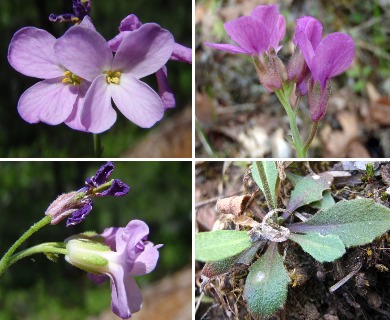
x: 271, y: 70
x: 318, y: 99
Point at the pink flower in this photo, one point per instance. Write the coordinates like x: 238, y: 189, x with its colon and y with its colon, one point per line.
x: 255, y: 34
x: 128, y: 254
x: 326, y: 58
x: 31, y: 52
x: 141, y: 53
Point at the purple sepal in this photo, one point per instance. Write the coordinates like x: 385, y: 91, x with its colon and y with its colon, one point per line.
x: 79, y: 215
x: 97, y: 278
x: 101, y: 175
x: 117, y: 189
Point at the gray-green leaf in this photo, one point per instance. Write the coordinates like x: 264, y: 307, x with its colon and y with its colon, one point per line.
x: 356, y: 222
x: 266, y: 285
x: 322, y: 248
x: 220, y: 244
x: 307, y: 190
x: 266, y: 176
x: 326, y: 202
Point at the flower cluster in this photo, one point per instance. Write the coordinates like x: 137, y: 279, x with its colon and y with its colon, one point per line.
x: 81, y: 74
x: 314, y: 62
x: 76, y: 205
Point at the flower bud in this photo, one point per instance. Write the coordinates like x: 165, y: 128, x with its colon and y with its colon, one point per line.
x: 271, y: 70
x: 297, y: 70
x: 318, y: 99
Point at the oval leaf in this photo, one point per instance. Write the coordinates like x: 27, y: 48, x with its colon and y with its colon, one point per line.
x: 356, y: 222
x: 266, y: 285
x: 220, y: 244
x: 322, y: 248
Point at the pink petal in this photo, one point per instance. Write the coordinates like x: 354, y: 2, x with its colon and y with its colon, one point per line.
x: 84, y: 52
x: 146, y: 261
x: 181, y: 53
x: 126, y: 297
x: 87, y: 23
x: 48, y: 101
x: 74, y: 119
x: 137, y: 101
x: 144, y: 51
x: 31, y: 52
x: 250, y: 33
x: 116, y: 41
x: 333, y: 56
x: 228, y: 48
x: 98, y: 115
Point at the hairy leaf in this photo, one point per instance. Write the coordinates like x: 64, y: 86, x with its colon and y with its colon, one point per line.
x: 266, y: 285
x: 322, y: 248
x: 356, y: 222
x: 220, y: 244
x: 307, y: 190
x: 326, y: 202
x: 266, y: 176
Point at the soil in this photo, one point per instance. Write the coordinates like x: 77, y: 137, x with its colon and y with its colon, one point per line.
x: 364, y: 296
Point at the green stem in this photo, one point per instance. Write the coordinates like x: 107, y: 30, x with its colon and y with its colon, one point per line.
x: 283, y: 95
x: 49, y: 247
x: 311, y: 136
x: 97, y: 145
x: 34, y: 228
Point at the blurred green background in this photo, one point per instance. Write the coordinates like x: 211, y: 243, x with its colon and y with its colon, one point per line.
x: 36, y: 288
x: 21, y: 139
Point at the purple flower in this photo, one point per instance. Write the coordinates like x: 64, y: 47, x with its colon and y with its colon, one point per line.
x: 326, y: 58
x: 258, y: 36
x: 142, y: 52
x: 31, y: 52
x: 179, y: 53
x: 77, y: 204
x: 255, y: 34
x: 129, y: 254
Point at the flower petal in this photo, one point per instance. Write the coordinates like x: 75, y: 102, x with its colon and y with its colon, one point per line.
x: 228, y: 48
x: 130, y: 23
x: 137, y: 101
x: 146, y: 261
x: 333, y: 56
x: 84, y: 52
x: 181, y: 53
x: 48, y: 101
x: 80, y: 214
x: 102, y: 175
x: 74, y: 119
x: 109, y: 235
x: 250, y: 33
x: 164, y: 89
x: 126, y: 296
x: 87, y: 23
x: 129, y: 236
x: 144, y: 51
x: 98, y: 115
x: 31, y: 52
x: 117, y: 189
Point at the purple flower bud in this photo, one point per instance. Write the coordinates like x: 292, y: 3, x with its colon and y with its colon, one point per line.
x: 318, y: 100
x: 81, y: 8
x: 271, y: 71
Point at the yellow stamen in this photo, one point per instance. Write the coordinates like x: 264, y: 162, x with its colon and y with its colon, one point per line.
x: 113, y: 77
x: 71, y: 78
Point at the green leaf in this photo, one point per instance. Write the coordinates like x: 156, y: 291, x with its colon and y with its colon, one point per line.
x: 266, y: 285
x: 322, y: 248
x: 215, y: 268
x: 326, y: 202
x: 356, y: 222
x: 220, y: 244
x: 266, y: 176
x: 307, y: 190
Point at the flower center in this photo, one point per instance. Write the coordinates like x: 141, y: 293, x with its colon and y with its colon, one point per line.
x: 113, y: 77
x: 71, y: 78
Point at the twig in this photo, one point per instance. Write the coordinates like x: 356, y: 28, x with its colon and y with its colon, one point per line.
x: 345, y: 279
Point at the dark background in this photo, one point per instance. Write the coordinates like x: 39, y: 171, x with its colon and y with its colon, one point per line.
x: 21, y: 139
x: 36, y: 288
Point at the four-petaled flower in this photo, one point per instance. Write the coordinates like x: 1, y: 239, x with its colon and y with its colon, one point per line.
x: 76, y: 205
x: 326, y: 58
x: 142, y: 52
x: 128, y: 254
